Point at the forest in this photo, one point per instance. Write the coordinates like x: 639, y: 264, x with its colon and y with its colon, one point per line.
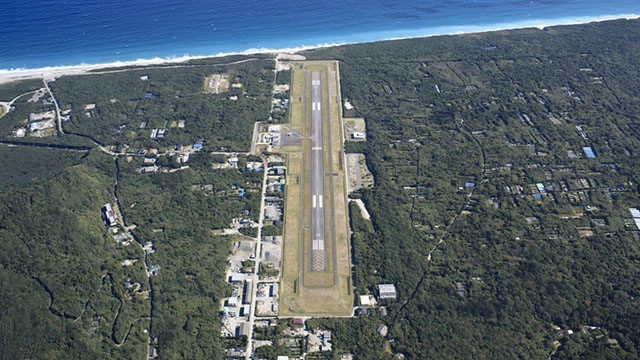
x: 504, y: 240
x: 72, y: 288
x: 504, y: 236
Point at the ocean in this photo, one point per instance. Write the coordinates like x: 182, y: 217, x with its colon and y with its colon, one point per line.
x: 45, y: 33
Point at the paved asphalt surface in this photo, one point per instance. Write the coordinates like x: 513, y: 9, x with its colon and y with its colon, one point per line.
x: 318, y: 252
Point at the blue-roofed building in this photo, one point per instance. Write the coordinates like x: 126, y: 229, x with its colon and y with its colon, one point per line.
x: 537, y: 196
x: 197, y: 146
x: 149, y: 96
x: 589, y: 152
x: 470, y: 184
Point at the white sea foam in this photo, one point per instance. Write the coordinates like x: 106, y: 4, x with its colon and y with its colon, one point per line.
x: 7, y: 75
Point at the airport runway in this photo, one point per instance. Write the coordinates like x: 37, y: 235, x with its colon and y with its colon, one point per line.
x: 318, y: 248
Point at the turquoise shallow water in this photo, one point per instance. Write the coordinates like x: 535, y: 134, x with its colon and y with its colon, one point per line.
x: 70, y: 32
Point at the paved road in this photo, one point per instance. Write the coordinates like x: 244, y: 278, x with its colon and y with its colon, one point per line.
x: 318, y: 252
x: 255, y: 276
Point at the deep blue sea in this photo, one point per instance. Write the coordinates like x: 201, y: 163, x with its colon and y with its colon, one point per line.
x: 42, y: 33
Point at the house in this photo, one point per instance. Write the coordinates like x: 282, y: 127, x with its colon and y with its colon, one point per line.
x: 363, y: 312
x: 357, y: 136
x: 183, y: 158
x: 147, y: 247
x: 149, y: 170
x: 298, y: 322
x: 635, y: 213
x: 148, y: 96
x: 365, y: 300
x: 153, y: 269
x: 278, y: 170
x: 382, y: 330
x: 108, y: 215
x: 144, y: 77
x: 387, y: 291
x: 149, y: 161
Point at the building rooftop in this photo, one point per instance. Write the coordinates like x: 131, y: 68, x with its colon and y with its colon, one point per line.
x: 589, y: 152
x: 387, y: 291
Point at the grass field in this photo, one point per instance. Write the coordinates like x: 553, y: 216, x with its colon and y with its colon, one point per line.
x: 306, y: 292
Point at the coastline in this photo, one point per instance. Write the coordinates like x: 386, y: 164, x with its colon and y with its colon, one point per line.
x: 51, y: 72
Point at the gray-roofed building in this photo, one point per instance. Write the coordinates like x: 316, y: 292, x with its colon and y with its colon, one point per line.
x: 387, y: 291
x: 243, y: 329
x: 248, y: 292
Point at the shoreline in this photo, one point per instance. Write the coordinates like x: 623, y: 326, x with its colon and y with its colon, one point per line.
x: 51, y: 72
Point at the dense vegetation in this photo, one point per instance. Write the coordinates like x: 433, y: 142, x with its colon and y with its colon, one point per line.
x: 509, y: 263
x: 460, y: 130
x: 123, y: 102
x: 70, y: 289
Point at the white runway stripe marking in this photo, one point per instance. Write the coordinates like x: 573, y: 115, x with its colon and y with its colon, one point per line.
x: 319, y: 201
x: 313, y: 201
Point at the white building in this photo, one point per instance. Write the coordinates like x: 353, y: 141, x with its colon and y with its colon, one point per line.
x: 387, y: 291
x: 109, y: 215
